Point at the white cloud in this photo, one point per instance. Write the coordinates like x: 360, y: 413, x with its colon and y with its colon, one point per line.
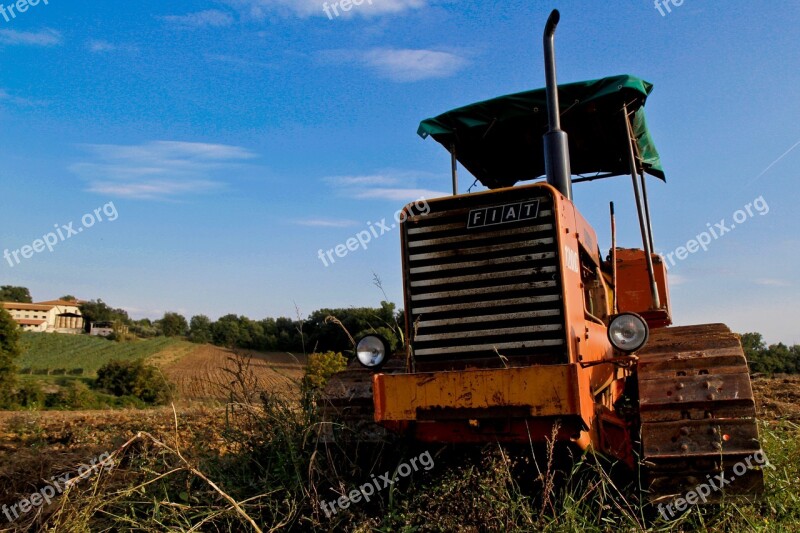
x: 677, y: 279
x: 211, y: 18
x: 771, y: 282
x: 99, y: 46
x: 158, y: 170
x: 394, y: 186
x: 401, y: 195
x: 238, y: 62
x: 326, y: 223
x: 361, y: 181
x: 17, y: 100
x: 25, y: 38
x: 401, y: 65
x: 260, y: 9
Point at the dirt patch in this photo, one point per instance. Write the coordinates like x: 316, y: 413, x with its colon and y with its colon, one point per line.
x: 778, y: 398
x: 205, y: 373
x: 34, y: 446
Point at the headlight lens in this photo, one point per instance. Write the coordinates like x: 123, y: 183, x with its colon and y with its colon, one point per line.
x: 372, y: 351
x: 628, y: 332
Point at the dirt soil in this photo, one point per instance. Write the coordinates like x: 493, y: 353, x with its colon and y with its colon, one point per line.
x: 778, y: 398
x: 205, y: 373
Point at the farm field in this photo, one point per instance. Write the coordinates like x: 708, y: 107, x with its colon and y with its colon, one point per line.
x: 205, y: 372
x: 37, y: 445
x: 81, y: 355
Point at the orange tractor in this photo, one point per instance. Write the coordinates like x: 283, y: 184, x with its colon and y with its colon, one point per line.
x: 516, y: 324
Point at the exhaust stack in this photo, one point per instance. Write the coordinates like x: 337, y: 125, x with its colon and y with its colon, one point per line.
x: 556, y: 145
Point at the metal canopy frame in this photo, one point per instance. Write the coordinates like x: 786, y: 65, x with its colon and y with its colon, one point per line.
x: 642, y: 205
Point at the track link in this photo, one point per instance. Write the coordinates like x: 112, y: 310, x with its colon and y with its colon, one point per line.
x: 697, y: 413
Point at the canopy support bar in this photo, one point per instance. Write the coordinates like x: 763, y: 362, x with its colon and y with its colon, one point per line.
x: 643, y: 223
x: 454, y: 168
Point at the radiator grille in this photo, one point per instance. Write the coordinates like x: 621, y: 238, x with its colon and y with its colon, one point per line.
x: 473, y: 290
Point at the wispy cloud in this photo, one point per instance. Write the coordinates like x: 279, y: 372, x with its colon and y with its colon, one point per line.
x: 19, y: 101
x: 46, y: 37
x: 677, y: 279
x: 325, y: 223
x: 362, y: 181
x: 395, y: 186
x: 771, y: 282
x: 238, y: 62
x: 400, y: 195
x: 211, y: 18
x: 260, y: 9
x: 400, y: 64
x: 99, y: 46
x: 158, y: 170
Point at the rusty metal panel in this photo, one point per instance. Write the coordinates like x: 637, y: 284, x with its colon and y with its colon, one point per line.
x: 475, y: 290
x: 486, y: 263
x: 547, y: 390
x: 695, y: 389
x: 699, y: 437
x: 501, y: 347
x: 697, y: 411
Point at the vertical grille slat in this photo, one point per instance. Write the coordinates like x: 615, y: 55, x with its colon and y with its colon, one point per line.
x: 474, y: 292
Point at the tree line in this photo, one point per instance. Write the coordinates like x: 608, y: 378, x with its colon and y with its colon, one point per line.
x: 773, y: 359
x: 316, y: 333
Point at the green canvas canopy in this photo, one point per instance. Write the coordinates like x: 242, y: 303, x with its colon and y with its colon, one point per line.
x: 500, y: 140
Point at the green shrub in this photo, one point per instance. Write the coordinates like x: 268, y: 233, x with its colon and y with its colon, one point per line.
x: 76, y: 395
x: 134, y: 378
x: 30, y: 395
x: 320, y: 367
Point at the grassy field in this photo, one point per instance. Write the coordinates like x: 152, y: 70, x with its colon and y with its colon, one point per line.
x: 47, y: 353
x: 259, y: 467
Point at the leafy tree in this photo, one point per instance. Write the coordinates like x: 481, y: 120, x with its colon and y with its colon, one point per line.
x: 69, y: 298
x: 134, y: 378
x: 200, y: 329
x: 20, y: 295
x: 772, y: 359
x: 225, y: 331
x: 173, y: 325
x: 9, y: 349
x: 325, y: 335
x: 99, y: 311
x: 143, y: 328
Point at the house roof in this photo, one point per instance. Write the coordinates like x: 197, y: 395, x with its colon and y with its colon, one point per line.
x: 62, y: 303
x: 30, y: 322
x: 27, y: 307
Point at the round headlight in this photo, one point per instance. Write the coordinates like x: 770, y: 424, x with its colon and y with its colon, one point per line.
x: 372, y: 351
x: 628, y: 332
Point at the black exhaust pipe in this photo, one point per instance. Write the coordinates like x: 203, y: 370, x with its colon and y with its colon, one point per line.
x: 556, y: 144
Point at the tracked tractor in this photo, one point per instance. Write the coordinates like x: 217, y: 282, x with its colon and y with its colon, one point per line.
x: 515, y: 322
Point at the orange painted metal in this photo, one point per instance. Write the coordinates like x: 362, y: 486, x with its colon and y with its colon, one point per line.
x: 531, y: 391
x: 633, y: 282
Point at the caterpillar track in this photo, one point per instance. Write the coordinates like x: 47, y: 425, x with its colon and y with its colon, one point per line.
x: 697, y: 413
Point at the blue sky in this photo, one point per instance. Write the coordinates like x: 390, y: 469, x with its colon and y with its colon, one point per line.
x: 236, y: 138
